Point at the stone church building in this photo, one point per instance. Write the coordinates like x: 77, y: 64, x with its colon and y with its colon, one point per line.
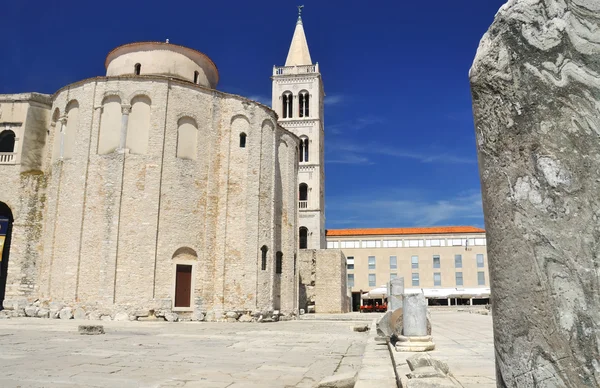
x: 148, y: 189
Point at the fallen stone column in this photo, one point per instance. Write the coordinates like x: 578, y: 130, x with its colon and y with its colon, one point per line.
x: 536, y: 100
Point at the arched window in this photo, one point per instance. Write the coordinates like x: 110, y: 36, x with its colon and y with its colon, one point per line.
x: 303, y: 155
x: 242, y: 140
x: 303, y: 192
x: 288, y: 100
x: 138, y: 125
x: 187, y: 138
x: 196, y: 74
x: 137, y: 69
x: 70, y: 130
x: 303, y: 103
x: 279, y: 263
x: 110, y: 125
x: 263, y: 263
x: 7, y: 141
x: 303, y: 238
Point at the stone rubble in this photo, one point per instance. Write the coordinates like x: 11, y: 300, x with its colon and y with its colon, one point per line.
x: 163, y: 312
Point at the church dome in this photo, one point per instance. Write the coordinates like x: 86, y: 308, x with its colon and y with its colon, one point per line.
x: 162, y: 59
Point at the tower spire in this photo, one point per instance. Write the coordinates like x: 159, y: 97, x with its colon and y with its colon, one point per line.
x: 298, y: 54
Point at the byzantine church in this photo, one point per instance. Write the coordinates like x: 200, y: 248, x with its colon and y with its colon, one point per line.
x: 149, y: 190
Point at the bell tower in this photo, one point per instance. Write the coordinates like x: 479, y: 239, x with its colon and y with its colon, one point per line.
x: 298, y: 100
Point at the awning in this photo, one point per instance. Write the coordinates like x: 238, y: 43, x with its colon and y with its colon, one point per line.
x: 432, y: 293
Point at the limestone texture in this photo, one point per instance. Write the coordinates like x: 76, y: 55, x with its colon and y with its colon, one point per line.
x: 390, y: 323
x: 535, y: 85
x: 396, y: 290
x: 90, y: 329
x: 341, y: 380
x: 414, y: 315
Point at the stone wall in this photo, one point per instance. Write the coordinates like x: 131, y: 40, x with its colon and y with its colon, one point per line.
x: 115, y: 225
x: 323, y: 280
x: 23, y: 192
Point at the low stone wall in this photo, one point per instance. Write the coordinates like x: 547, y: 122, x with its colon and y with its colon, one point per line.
x: 162, y: 311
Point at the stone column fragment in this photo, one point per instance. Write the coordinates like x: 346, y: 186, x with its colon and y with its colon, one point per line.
x: 395, y: 292
x: 535, y: 84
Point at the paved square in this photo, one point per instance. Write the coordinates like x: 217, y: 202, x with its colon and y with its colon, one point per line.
x: 50, y: 353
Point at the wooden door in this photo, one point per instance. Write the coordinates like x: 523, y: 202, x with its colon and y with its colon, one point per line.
x: 183, y: 285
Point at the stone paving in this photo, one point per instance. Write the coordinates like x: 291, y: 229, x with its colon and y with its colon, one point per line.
x: 50, y: 353
x: 466, y: 343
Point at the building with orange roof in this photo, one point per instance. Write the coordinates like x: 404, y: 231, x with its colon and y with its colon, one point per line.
x: 441, y: 261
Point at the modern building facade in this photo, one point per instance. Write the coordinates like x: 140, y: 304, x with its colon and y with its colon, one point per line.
x: 298, y: 97
x: 436, y: 260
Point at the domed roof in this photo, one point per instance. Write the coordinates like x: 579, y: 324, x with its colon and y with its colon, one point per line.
x: 162, y: 58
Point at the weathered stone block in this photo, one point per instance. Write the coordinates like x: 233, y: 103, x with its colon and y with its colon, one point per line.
x: 31, y: 311
x: 426, y: 371
x: 79, y: 313
x: 43, y: 313
x: 245, y: 318
x: 419, y: 360
x: 91, y: 329
x: 390, y: 323
x: 361, y: 328
x: 414, y: 315
x: 197, y: 316
x: 341, y: 380
x: 122, y: 316
x: 434, y: 382
x: 66, y: 313
x: 171, y: 317
x: 232, y: 314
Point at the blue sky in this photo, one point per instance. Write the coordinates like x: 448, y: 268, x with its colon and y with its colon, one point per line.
x: 399, y: 137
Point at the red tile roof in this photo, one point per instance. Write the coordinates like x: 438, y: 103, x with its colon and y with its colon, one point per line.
x: 404, y: 231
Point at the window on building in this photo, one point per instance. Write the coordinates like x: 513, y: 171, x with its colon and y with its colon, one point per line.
x: 242, y: 140
x: 350, y: 280
x: 279, y: 262
x: 457, y: 261
x: 414, y: 262
x: 187, y: 138
x: 303, y: 154
x: 138, y: 125
x: 393, y: 276
x: 196, y: 74
x: 7, y: 141
x: 393, y: 262
x: 350, y: 262
x: 303, y: 238
x: 137, y: 69
x: 303, y: 103
x: 287, y: 100
x: 480, y: 260
x: 437, y: 279
x: 303, y: 192
x: 110, y: 125
x: 481, y: 278
x: 372, y: 279
x: 263, y: 262
x: 459, y: 278
x: 415, y: 280
x: 371, y: 262
x: 436, y: 261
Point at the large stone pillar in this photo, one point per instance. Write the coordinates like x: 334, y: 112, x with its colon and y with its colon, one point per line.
x: 536, y: 101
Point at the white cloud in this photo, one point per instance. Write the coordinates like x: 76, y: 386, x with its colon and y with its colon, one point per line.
x: 333, y: 99
x: 408, y: 208
x: 354, y: 125
x: 423, y: 156
x: 265, y: 100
